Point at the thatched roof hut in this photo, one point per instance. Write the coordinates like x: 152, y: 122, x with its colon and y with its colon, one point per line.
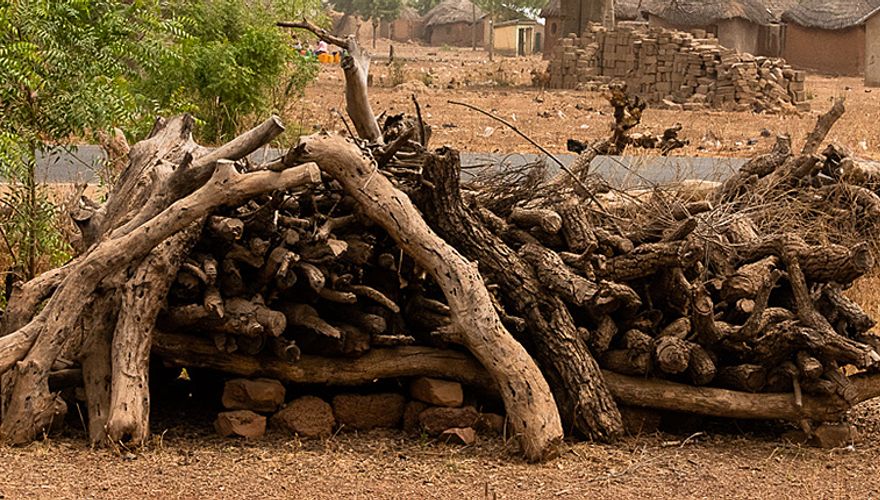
x: 451, y: 12
x: 628, y: 10
x: 452, y: 22
x: 624, y: 10
x: 831, y: 14
x: 707, y: 12
x: 553, y: 8
x: 834, y: 36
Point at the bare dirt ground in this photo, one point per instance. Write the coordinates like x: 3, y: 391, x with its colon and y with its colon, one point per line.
x: 728, y: 460
x: 553, y: 116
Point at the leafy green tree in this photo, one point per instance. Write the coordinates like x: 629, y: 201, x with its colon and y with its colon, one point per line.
x: 66, y: 69
x: 423, y: 6
x: 230, y: 67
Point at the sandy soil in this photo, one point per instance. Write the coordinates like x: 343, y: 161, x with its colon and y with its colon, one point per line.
x: 553, y: 116
x: 727, y: 461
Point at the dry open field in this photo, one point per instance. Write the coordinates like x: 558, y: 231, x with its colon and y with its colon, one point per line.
x: 552, y: 117
x: 727, y: 460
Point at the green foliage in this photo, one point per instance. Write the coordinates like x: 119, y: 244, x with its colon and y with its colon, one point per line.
x: 66, y: 69
x: 396, y: 73
x: 71, y: 67
x: 229, y: 68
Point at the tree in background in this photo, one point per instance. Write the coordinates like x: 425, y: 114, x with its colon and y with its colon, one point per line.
x: 423, y: 6
x: 70, y: 68
x: 230, y: 67
x: 375, y: 11
x: 67, y: 68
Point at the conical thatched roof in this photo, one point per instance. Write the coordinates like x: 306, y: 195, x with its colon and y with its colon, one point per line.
x: 408, y: 13
x: 628, y: 10
x: 831, y: 14
x: 625, y: 10
x: 552, y: 9
x: 452, y: 11
x: 704, y: 12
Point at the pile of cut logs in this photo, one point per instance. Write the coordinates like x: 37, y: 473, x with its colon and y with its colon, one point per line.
x: 354, y: 259
x: 686, y: 283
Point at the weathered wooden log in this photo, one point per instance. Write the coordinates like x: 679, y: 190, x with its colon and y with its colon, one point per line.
x: 745, y: 377
x: 526, y: 394
x: 701, y: 366
x: 671, y: 355
x: 577, y: 230
x: 648, y: 259
x: 548, y: 220
x: 583, y: 400
x: 837, y: 307
x: 748, y: 279
x: 226, y: 228
x: 808, y: 366
x: 555, y: 275
x: 142, y: 298
x: 307, y: 317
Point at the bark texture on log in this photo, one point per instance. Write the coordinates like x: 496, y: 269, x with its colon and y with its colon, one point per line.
x: 529, y: 403
x: 584, y: 401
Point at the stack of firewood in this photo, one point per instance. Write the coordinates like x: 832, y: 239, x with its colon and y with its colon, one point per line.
x: 693, y: 285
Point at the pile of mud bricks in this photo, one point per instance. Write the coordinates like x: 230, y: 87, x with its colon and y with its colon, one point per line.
x: 678, y: 70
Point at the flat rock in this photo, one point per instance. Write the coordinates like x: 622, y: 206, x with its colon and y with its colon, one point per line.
x: 411, y: 415
x: 437, y: 392
x: 244, y: 423
x: 262, y: 394
x: 363, y: 412
x: 835, y: 435
x: 490, y: 423
x: 459, y: 435
x: 437, y: 419
x: 308, y: 416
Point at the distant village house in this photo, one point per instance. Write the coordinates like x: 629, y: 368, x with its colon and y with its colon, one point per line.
x: 519, y: 37
x: 457, y: 23
x: 835, y: 36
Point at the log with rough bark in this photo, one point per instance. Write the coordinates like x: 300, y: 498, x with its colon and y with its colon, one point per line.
x: 530, y: 405
x: 574, y: 374
x: 206, y: 184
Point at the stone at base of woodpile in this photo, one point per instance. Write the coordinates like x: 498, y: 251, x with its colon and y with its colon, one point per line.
x: 459, y: 435
x: 437, y: 419
x: 308, y: 417
x: 437, y: 392
x: 244, y: 423
x: 411, y: 415
x: 262, y: 394
x: 364, y: 412
x: 826, y: 436
x: 491, y: 423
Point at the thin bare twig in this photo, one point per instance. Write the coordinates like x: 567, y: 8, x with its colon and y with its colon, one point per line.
x: 550, y: 155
